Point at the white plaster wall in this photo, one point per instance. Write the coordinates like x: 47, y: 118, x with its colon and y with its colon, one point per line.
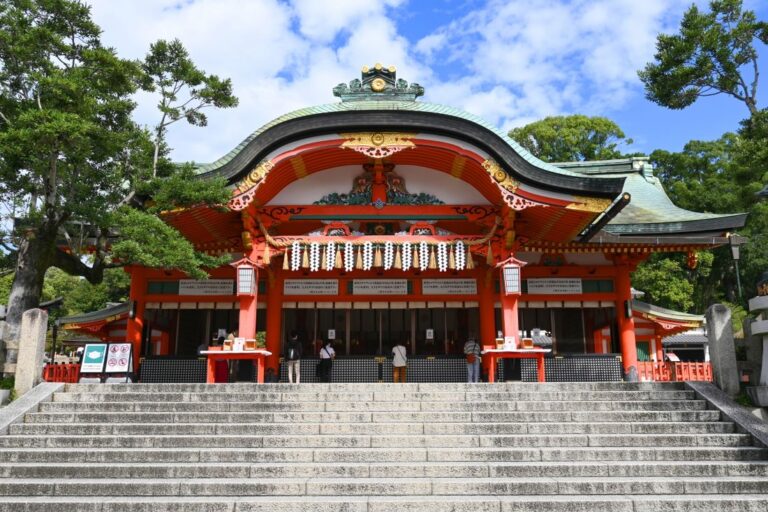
x: 445, y: 187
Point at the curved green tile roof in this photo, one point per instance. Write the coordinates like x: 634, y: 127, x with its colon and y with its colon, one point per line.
x: 384, y: 105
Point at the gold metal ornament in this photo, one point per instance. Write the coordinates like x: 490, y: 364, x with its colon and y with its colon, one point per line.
x: 378, y: 85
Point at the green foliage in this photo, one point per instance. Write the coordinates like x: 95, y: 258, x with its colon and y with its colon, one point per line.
x: 712, y: 54
x: 700, y: 178
x: 182, y: 190
x: 666, y: 282
x: 169, y: 70
x: 571, y: 138
x: 73, y: 159
x: 147, y: 240
x: 7, y: 383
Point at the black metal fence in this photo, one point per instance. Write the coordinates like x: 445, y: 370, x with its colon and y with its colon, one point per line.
x: 566, y: 368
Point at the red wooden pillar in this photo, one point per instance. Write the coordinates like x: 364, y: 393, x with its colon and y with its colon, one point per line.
x: 135, y: 324
x: 509, y: 316
x: 247, y: 325
x: 248, y: 302
x: 626, y: 323
x: 486, y: 300
x: 274, y: 320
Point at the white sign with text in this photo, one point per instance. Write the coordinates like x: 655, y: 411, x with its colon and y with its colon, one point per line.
x: 206, y: 287
x: 449, y: 286
x: 311, y: 287
x: 380, y: 287
x: 554, y: 286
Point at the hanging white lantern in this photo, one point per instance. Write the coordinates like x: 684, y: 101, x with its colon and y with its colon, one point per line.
x: 349, y: 256
x: 407, y: 255
x: 330, y: 255
x: 389, y: 255
x: 295, y: 256
x: 314, y: 256
x: 460, y: 255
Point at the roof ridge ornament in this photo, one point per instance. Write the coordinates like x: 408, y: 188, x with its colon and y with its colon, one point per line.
x: 378, y: 83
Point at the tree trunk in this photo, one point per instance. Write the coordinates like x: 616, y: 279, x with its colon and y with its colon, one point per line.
x: 34, y: 258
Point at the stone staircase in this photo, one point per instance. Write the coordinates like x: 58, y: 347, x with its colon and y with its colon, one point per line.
x: 380, y: 447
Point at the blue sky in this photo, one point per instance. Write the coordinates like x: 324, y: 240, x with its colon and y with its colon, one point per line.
x: 510, y: 61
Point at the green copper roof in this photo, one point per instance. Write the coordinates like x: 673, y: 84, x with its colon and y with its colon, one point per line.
x: 385, y: 105
x: 650, y: 210
x: 117, y: 309
x: 669, y: 314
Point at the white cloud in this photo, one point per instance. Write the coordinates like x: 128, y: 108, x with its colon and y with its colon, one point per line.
x: 509, y: 61
x: 556, y: 57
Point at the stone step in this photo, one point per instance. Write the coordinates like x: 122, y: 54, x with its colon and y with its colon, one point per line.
x: 595, y: 503
x: 719, y: 427
x: 336, y: 387
x: 324, y: 455
x: 377, y: 396
x: 376, y: 417
x: 386, y: 470
x: 489, y: 406
x: 498, y: 486
x: 651, y: 441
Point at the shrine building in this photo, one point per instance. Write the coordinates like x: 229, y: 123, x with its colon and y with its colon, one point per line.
x: 381, y: 219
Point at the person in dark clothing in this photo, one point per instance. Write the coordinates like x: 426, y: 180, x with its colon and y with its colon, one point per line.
x: 293, y: 351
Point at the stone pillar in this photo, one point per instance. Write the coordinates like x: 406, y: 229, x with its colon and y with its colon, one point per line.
x: 34, y: 325
x: 721, y: 349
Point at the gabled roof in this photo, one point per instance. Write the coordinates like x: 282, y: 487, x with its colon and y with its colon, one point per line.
x: 107, y: 314
x: 651, y: 211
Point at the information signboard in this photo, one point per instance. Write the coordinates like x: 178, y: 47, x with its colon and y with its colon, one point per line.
x: 94, y: 357
x: 449, y: 286
x: 119, y: 358
x: 554, y: 286
x: 380, y: 287
x: 311, y: 287
x: 206, y: 287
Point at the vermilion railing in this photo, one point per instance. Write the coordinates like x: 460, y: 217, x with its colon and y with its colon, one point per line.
x: 68, y: 373
x: 674, y: 372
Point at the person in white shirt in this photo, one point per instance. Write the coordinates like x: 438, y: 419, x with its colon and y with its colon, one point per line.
x: 327, y: 354
x: 399, y: 362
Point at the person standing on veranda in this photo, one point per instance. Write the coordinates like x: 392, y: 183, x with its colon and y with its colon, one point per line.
x: 327, y: 355
x: 472, y: 353
x: 293, y: 358
x: 399, y: 362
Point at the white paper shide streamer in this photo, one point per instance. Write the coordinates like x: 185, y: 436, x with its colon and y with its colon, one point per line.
x: 389, y: 255
x: 367, y: 255
x: 442, y: 256
x: 461, y: 255
x: 295, y: 256
x: 314, y: 256
x: 349, y: 257
x: 423, y: 256
x: 407, y: 255
x: 330, y: 255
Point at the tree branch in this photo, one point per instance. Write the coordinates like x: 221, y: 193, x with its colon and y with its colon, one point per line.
x: 71, y: 264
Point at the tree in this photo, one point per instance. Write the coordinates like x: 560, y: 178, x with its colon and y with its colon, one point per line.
x: 71, y: 154
x: 713, y: 53
x: 571, y: 138
x: 169, y: 70
x: 700, y: 177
